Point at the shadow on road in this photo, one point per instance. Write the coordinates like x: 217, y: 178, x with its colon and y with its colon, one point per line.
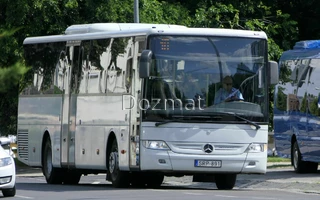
x: 278, y: 178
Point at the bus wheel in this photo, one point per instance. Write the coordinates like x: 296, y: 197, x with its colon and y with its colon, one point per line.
x: 50, y: 173
x: 299, y: 165
x: 118, y: 178
x: 225, y: 181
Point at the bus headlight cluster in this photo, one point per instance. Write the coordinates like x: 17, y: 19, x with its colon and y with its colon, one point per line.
x: 159, y: 145
x: 256, y: 148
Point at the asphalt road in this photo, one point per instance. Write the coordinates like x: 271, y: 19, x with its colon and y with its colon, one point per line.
x: 278, y: 183
x: 96, y: 188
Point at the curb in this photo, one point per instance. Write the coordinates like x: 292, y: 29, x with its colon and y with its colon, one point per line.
x: 271, y: 165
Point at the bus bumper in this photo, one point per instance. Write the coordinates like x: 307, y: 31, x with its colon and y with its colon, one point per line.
x: 168, y: 161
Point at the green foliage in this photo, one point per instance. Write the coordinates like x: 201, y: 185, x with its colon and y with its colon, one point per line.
x: 111, y: 11
x: 304, y: 104
x: 251, y: 16
x: 217, y: 15
x: 314, y: 109
x: 306, y: 14
x: 153, y: 11
x: 10, y: 76
x: 281, y: 99
x: 278, y: 159
x: 7, y: 33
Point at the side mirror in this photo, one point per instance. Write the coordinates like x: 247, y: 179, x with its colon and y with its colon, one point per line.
x: 145, y: 63
x: 274, y: 72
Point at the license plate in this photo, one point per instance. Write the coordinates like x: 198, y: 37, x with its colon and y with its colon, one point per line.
x: 208, y: 163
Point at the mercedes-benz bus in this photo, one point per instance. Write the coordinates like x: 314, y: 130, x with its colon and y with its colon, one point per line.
x: 136, y: 101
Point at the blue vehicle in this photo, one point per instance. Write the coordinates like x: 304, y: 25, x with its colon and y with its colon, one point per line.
x: 297, y: 106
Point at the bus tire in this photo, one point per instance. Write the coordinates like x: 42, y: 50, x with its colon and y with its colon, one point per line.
x: 119, y: 179
x: 298, y: 165
x: 52, y: 174
x: 225, y: 181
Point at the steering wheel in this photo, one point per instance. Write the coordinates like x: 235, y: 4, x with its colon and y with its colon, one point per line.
x: 233, y: 99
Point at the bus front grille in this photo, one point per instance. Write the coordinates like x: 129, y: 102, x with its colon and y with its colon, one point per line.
x: 198, y: 148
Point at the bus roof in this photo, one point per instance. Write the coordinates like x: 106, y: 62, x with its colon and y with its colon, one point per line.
x: 108, y: 27
x: 307, y: 49
x: 108, y: 30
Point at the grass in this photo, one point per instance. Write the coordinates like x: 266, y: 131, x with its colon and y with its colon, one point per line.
x: 278, y: 159
x: 278, y: 162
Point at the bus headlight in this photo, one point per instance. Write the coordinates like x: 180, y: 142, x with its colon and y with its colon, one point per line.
x: 159, y: 145
x: 256, y: 148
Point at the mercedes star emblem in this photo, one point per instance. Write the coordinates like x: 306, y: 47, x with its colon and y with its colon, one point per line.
x: 208, y: 148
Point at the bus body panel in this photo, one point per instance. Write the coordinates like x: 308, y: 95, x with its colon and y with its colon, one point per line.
x: 36, y: 116
x: 97, y: 117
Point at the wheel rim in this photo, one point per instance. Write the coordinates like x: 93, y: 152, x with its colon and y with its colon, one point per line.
x: 113, y: 162
x: 49, y: 162
x: 295, y: 157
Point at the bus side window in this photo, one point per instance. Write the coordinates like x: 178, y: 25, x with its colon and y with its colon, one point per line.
x: 314, y: 90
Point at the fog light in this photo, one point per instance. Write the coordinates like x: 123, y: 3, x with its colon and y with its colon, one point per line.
x: 5, y: 180
x: 252, y: 163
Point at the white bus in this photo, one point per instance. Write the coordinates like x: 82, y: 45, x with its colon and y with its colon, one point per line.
x: 136, y: 101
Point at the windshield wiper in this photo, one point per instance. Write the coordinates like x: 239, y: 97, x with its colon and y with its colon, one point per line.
x: 208, y: 117
x: 242, y: 118
x: 183, y: 119
x: 167, y: 121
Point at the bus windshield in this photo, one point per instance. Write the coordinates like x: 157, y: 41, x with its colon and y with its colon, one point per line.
x: 207, y: 77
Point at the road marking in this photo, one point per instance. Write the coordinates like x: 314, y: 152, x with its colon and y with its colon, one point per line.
x: 193, y: 193
x: 24, y: 197
x: 260, y: 198
x: 226, y: 196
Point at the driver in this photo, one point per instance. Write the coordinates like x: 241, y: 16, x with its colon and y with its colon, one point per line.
x: 227, y: 92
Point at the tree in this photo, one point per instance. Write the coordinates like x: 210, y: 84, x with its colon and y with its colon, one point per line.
x: 306, y: 14
x: 9, y: 79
